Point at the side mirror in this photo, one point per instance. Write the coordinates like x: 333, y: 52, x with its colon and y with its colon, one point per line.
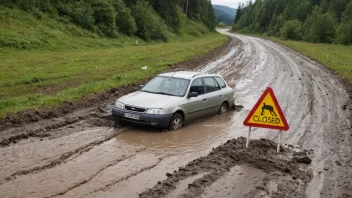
x: 141, y: 86
x: 193, y: 95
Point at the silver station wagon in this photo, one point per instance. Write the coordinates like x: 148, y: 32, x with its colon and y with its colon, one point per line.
x: 171, y: 99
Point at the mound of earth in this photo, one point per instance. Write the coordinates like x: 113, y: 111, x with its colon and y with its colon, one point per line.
x: 232, y: 170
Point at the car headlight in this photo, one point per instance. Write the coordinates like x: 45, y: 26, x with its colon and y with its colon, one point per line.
x: 119, y: 105
x: 155, y: 111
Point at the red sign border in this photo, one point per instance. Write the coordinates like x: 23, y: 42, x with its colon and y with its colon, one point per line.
x: 270, y: 91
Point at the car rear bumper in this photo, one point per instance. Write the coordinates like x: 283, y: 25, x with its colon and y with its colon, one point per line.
x: 160, y: 121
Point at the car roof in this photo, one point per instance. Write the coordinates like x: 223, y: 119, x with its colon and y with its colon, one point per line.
x: 186, y: 74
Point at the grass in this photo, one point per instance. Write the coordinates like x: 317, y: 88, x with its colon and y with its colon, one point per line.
x: 23, y: 30
x: 334, y: 56
x: 36, y: 78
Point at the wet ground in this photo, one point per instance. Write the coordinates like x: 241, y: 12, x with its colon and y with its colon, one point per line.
x: 82, y: 154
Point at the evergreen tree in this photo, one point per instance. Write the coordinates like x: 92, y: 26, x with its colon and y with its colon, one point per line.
x: 320, y: 20
x: 344, y: 31
x: 124, y: 20
x: 238, y: 13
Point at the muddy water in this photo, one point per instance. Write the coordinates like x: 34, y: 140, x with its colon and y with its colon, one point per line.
x: 104, y: 162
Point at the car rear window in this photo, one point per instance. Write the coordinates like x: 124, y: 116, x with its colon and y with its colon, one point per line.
x: 211, y: 84
x: 220, y: 81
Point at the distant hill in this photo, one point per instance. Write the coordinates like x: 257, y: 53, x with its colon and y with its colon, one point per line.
x: 223, y: 17
x: 225, y: 9
x: 224, y: 14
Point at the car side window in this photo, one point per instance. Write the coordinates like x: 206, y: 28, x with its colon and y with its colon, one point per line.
x: 220, y: 81
x: 197, y: 86
x: 210, y: 84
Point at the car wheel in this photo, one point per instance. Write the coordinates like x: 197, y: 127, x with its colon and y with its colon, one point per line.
x: 176, y: 122
x: 119, y: 124
x: 223, y: 109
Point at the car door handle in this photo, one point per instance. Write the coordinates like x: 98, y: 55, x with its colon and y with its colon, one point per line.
x: 204, y: 99
x: 220, y: 95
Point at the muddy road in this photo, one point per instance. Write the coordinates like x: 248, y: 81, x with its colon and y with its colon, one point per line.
x: 82, y: 154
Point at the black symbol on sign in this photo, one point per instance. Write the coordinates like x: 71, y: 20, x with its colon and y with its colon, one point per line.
x: 269, y: 108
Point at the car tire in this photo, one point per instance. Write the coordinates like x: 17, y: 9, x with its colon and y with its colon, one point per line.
x: 176, y: 122
x: 119, y: 124
x: 223, y: 109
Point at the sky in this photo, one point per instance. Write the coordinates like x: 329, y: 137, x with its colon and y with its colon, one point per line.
x: 229, y: 3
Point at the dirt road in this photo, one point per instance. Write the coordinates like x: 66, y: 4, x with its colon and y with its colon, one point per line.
x: 81, y: 154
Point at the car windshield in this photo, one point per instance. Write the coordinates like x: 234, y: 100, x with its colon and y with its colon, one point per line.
x: 167, y: 86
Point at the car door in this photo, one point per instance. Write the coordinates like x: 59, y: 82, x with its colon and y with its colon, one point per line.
x: 196, y: 105
x: 213, y: 95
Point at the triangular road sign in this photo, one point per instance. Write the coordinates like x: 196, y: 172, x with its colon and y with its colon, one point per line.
x: 267, y: 113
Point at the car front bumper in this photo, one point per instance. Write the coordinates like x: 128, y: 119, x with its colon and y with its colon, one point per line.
x: 159, y: 121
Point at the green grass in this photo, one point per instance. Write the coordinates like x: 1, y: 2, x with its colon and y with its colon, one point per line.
x: 23, y: 30
x: 36, y: 78
x: 334, y: 56
x: 37, y: 31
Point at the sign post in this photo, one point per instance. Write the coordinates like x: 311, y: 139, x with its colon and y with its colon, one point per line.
x: 267, y: 113
x: 248, y: 137
x: 278, y: 141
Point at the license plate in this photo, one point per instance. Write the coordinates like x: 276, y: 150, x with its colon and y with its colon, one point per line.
x: 132, y: 116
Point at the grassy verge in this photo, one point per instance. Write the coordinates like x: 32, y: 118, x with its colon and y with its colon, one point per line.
x: 335, y: 57
x: 35, y: 78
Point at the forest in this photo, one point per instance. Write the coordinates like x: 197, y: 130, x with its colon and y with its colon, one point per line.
x: 147, y: 19
x: 317, y: 21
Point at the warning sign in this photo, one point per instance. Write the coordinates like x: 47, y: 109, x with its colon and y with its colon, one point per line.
x: 267, y: 113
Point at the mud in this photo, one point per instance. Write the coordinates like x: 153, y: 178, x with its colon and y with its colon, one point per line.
x: 261, y: 155
x: 80, y: 152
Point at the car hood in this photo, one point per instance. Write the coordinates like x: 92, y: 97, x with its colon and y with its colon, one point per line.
x: 147, y: 100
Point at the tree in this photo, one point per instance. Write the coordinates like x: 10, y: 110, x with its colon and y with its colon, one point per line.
x: 149, y: 24
x: 344, y: 30
x: 221, y: 24
x: 211, y: 18
x: 320, y: 27
x: 344, y: 33
x: 83, y: 15
x: 124, y: 20
x: 238, y: 13
x: 347, y: 14
x: 167, y: 9
x: 104, y: 16
x: 292, y: 30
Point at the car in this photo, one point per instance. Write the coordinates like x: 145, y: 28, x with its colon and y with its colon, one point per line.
x: 170, y: 100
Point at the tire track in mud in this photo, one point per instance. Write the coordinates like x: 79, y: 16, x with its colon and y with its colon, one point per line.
x: 107, y: 186
x: 65, y: 157
x: 94, y: 175
x: 48, y: 129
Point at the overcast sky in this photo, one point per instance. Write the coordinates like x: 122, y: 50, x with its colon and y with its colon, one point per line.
x: 229, y: 3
